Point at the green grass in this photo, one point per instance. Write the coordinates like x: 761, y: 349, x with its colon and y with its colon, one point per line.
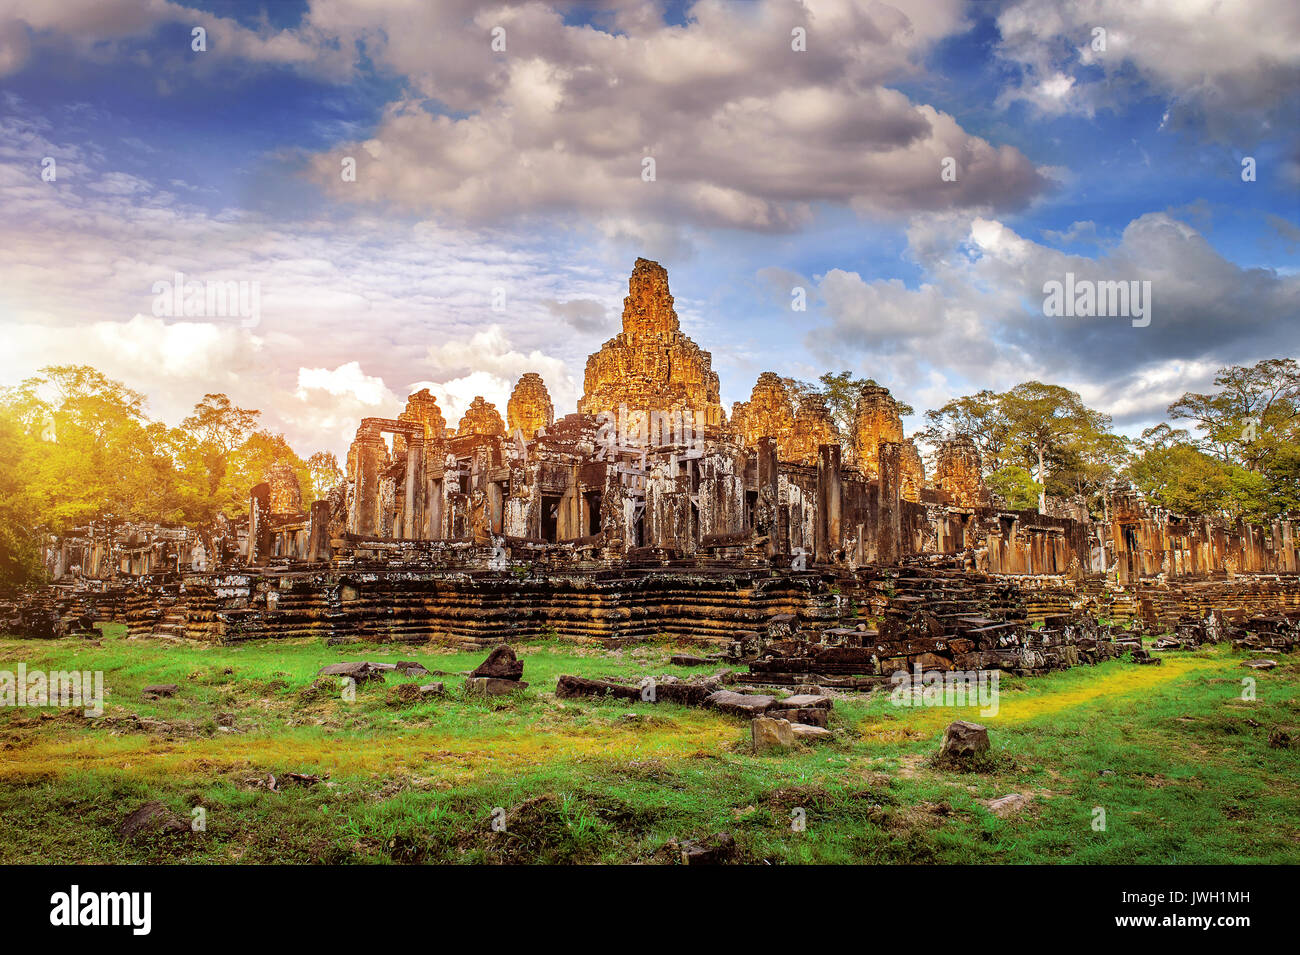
x: 1190, y: 775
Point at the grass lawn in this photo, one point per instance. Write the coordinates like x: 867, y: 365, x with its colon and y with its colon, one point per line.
x: 1180, y: 764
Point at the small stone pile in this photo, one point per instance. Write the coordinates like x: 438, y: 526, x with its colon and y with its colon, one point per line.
x: 1258, y: 633
x: 858, y: 657
x: 774, y: 722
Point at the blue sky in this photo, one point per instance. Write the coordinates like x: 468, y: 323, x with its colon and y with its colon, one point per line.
x: 520, y: 170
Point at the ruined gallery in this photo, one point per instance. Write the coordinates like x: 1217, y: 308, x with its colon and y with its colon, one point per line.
x: 651, y: 510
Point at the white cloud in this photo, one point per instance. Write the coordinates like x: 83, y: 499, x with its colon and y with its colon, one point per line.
x: 1230, y: 70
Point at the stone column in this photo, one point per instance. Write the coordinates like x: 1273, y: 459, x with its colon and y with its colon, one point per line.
x: 259, y: 528
x: 768, y: 500
x: 888, y: 511
x: 1290, y: 562
x: 412, y: 511
x: 362, y: 518
x: 829, y: 536
x: 318, y: 539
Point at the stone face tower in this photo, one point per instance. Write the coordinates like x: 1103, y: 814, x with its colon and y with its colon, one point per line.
x: 877, y: 420
x: 286, y: 495
x: 813, y: 427
x: 767, y: 414
x: 481, y: 418
x: 650, y: 365
x: 530, y: 408
x: 957, y: 471
x: 422, y: 408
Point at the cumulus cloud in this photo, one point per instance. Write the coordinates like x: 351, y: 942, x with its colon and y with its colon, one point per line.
x: 585, y: 315
x: 978, y: 314
x: 744, y: 132
x: 1227, y: 71
x: 489, y: 362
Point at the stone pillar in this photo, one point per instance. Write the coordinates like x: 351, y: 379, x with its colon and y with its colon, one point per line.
x: 765, y: 517
x: 318, y: 540
x: 365, y: 485
x: 259, y: 527
x: 412, y: 510
x: 827, y: 536
x: 889, y: 529
x: 1290, y: 563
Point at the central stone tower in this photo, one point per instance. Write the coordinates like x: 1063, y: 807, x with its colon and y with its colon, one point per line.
x: 650, y: 365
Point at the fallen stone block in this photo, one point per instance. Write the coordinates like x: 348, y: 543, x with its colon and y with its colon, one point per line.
x: 963, y: 740
x: 159, y: 690
x: 360, y: 670
x: 715, y: 850
x: 1260, y: 664
x: 802, y: 701
x: 501, y: 664
x: 433, y: 689
x: 151, y: 817
x: 1008, y: 805
x: 769, y: 735
x: 739, y: 704
x: 686, y: 660
x: 813, y: 716
x: 568, y: 686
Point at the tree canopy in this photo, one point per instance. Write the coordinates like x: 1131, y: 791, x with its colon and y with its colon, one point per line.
x: 76, y: 446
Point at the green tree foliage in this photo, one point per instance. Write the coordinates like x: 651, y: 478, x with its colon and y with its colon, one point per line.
x: 1036, y: 434
x: 1244, y: 462
x: 980, y: 417
x: 76, y: 446
x: 325, y: 473
x: 1016, y: 486
x: 20, y: 556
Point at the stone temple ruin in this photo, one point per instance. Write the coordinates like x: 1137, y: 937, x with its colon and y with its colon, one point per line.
x: 651, y: 511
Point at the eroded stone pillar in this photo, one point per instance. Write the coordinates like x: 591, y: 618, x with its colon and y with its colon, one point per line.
x: 827, y: 536
x: 318, y: 539
x: 366, y: 454
x: 259, y: 527
x: 412, y: 510
x: 765, y: 514
x: 888, y: 509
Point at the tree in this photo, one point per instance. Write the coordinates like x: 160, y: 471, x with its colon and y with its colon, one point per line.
x: 94, y: 454
x: 20, y: 551
x: 1049, y: 421
x: 325, y: 473
x: 979, y: 417
x: 1252, y: 425
x: 1255, y: 408
x: 1016, y: 486
x: 205, y: 443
